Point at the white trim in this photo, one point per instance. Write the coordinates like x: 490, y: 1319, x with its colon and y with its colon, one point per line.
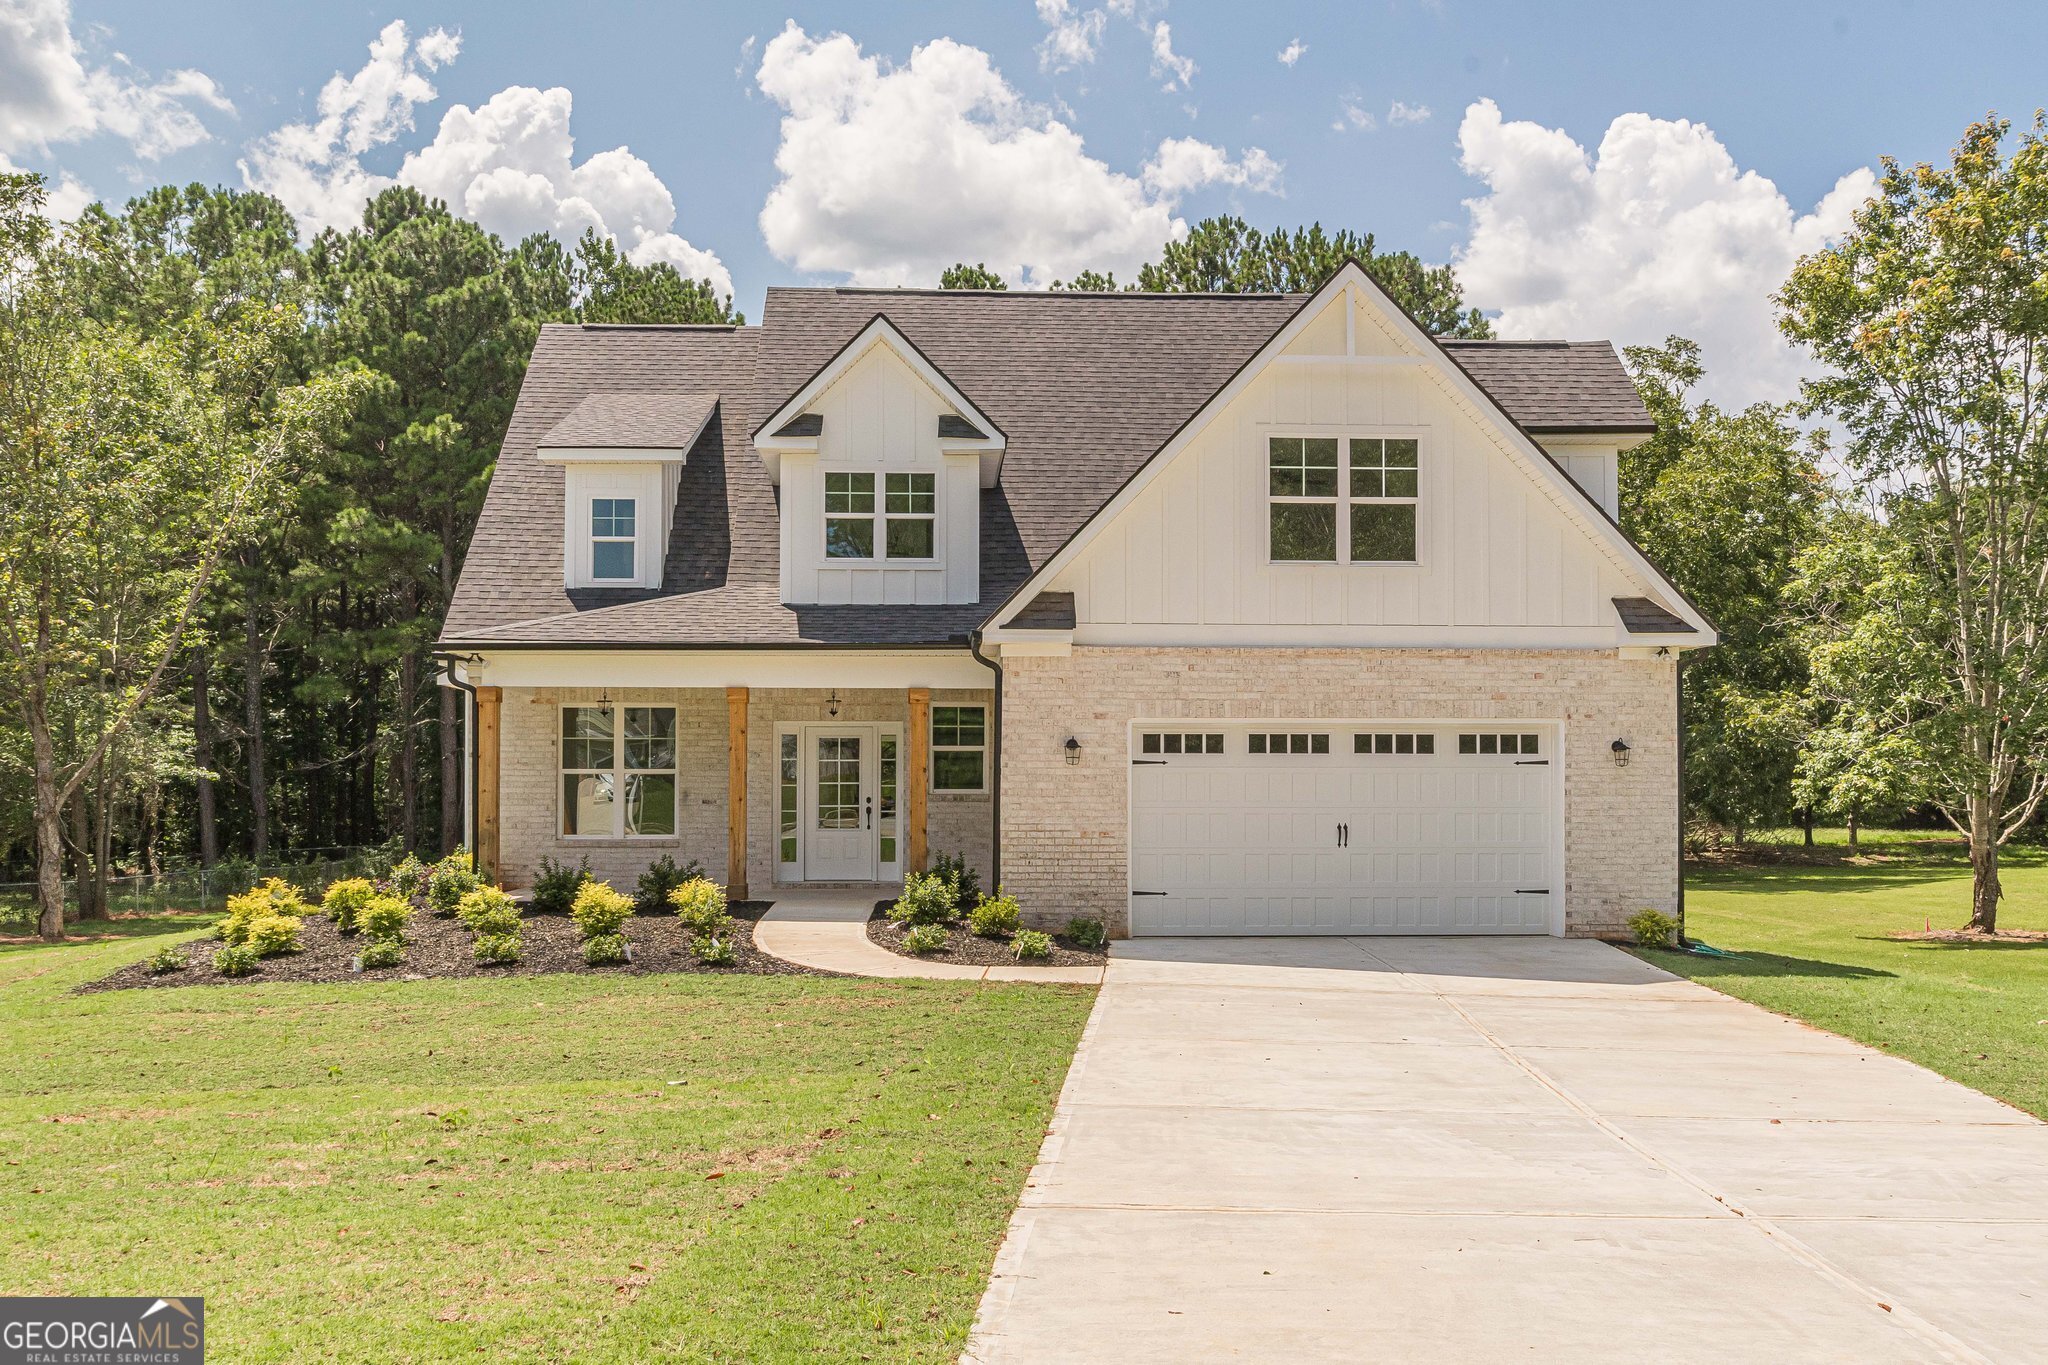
x: 934, y: 748
x: 880, y: 517
x: 1577, y: 505
x: 614, y: 454
x: 953, y: 669
x: 617, y: 834
x: 1344, y: 500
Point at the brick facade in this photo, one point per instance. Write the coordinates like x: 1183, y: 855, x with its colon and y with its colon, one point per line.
x: 1065, y: 829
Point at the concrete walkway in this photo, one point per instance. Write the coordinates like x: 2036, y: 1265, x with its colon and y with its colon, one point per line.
x: 1533, y: 1149
x: 826, y: 928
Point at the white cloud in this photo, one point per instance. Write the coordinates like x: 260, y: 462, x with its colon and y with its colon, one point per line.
x: 1353, y: 116
x: 1658, y: 232
x: 1293, y: 52
x: 1177, y: 69
x: 49, y: 94
x: 509, y: 164
x: 890, y: 174
x: 1401, y: 114
x: 1072, y: 38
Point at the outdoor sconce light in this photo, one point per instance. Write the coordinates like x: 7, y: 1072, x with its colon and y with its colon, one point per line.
x: 832, y: 704
x: 1620, y: 750
x: 1073, y: 752
x: 604, y: 702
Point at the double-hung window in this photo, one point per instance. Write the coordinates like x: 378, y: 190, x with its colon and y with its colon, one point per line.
x: 959, y: 748
x: 612, y: 525
x: 1351, y: 500
x: 618, y: 771
x: 907, y: 511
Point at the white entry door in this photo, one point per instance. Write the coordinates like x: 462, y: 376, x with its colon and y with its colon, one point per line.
x: 1356, y: 827
x: 839, y: 803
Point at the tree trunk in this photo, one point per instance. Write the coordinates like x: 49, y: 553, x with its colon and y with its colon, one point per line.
x: 102, y: 844
x: 84, y: 877
x: 202, y: 755
x: 408, y: 751
x: 1985, y: 889
x: 1806, y: 824
x: 49, y: 839
x: 254, y: 656
x: 1852, y: 828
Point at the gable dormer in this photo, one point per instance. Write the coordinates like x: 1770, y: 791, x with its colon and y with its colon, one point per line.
x: 880, y: 460
x: 622, y: 455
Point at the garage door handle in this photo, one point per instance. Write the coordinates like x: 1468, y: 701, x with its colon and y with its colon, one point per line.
x: 1537, y: 891
x: 1532, y: 763
x: 1148, y: 893
x: 1148, y: 763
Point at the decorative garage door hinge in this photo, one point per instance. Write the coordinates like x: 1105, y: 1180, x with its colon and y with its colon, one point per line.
x: 1148, y: 763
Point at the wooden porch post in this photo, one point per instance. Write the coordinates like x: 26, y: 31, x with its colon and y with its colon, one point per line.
x: 736, y: 793
x: 486, y: 850
x: 918, y: 775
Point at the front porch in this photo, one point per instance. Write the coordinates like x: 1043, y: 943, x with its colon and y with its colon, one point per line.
x: 763, y: 786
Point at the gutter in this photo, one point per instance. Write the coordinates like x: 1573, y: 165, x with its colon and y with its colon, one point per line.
x: 449, y: 678
x: 995, y: 763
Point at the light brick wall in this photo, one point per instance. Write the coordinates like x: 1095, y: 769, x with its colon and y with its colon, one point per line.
x: 1065, y: 829
x: 530, y: 780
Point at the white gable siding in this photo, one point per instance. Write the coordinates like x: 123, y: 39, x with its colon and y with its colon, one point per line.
x: 880, y: 417
x: 1500, y: 562
x: 651, y: 485
x: 1594, y: 468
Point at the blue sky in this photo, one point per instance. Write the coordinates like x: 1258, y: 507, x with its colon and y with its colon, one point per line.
x: 1046, y: 136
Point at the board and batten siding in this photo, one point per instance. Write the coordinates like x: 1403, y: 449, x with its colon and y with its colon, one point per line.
x: 1499, y: 560
x: 880, y: 417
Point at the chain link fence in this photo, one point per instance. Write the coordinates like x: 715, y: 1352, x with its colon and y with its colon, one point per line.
x: 196, y: 888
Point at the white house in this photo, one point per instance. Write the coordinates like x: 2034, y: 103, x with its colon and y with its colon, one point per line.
x: 1203, y: 614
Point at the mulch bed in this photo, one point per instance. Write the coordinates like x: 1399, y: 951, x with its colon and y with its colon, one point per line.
x: 438, y: 948
x: 970, y: 950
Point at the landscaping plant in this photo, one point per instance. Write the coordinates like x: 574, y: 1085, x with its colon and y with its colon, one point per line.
x: 1030, y: 945
x: 234, y: 959
x: 409, y: 878
x: 168, y: 959
x: 556, y: 886
x: 382, y: 952
x: 497, y: 950
x: 345, y: 900
x: 273, y: 897
x: 272, y: 935
x: 952, y: 869
x: 700, y: 904
x: 600, y: 911
x: 927, y: 899
x: 450, y: 880
x: 714, y: 952
x: 1089, y: 935
x: 384, y: 917
x: 489, y: 905
x: 603, y: 949
x: 1652, y: 929
x: 996, y: 917
x: 925, y: 938
x: 659, y: 882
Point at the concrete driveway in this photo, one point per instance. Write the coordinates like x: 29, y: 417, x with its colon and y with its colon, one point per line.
x: 1529, y: 1149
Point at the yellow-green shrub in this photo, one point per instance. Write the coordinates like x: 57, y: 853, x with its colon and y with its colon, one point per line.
x: 274, y: 897
x: 996, y: 916
x: 700, y: 904
x: 345, y: 900
x: 599, y: 911
x: 486, y: 902
x: 384, y: 917
x: 272, y: 935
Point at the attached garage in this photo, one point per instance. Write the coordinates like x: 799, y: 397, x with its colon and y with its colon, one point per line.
x: 1363, y: 827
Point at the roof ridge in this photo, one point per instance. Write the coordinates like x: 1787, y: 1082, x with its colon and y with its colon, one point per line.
x: 894, y: 291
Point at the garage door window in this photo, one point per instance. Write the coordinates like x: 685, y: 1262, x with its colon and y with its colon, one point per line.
x: 1290, y: 743
x: 1393, y: 743
x: 1162, y: 743
x: 1496, y: 744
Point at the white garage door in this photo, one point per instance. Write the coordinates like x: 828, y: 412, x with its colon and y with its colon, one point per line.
x: 1360, y: 828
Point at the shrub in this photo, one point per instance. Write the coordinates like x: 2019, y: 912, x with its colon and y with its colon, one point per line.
x: 166, y: 960
x: 272, y: 936
x: 345, y: 900
x: 409, y: 877
x: 713, y: 951
x: 274, y: 897
x: 497, y: 922
x: 556, y: 885
x: 1087, y: 934
x: 235, y: 960
x: 996, y: 916
x: 600, y: 911
x: 1031, y: 946
x: 1652, y: 928
x: 659, y: 882
x: 497, y: 950
x: 952, y: 869
x: 601, y: 949
x: 925, y: 938
x: 450, y: 880
x: 487, y: 902
x: 927, y: 899
x: 382, y: 952
x: 384, y: 917
x: 700, y: 904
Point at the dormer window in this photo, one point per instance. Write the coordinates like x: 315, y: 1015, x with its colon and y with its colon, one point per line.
x: 907, y: 510
x: 612, y: 537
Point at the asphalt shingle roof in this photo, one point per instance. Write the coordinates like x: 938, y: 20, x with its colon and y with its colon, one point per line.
x: 1642, y: 616
x: 1085, y: 387
x: 1552, y: 387
x: 633, y: 421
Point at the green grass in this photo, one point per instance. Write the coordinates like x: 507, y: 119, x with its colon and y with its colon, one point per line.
x: 1814, y: 943
x: 523, y: 1169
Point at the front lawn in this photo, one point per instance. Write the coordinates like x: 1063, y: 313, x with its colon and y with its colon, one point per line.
x: 1813, y: 940
x: 537, y: 1168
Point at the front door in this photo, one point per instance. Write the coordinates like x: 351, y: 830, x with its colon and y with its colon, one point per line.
x: 839, y: 803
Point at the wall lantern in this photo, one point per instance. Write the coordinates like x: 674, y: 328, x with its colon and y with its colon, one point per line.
x: 832, y: 703
x: 1620, y: 751
x: 604, y: 702
x: 1073, y: 752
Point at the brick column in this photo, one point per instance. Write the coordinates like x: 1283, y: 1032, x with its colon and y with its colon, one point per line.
x: 486, y: 739
x: 917, y: 776
x: 736, y: 793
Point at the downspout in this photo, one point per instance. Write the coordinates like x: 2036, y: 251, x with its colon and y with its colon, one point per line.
x: 1678, y: 676
x: 995, y: 763
x: 449, y: 678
